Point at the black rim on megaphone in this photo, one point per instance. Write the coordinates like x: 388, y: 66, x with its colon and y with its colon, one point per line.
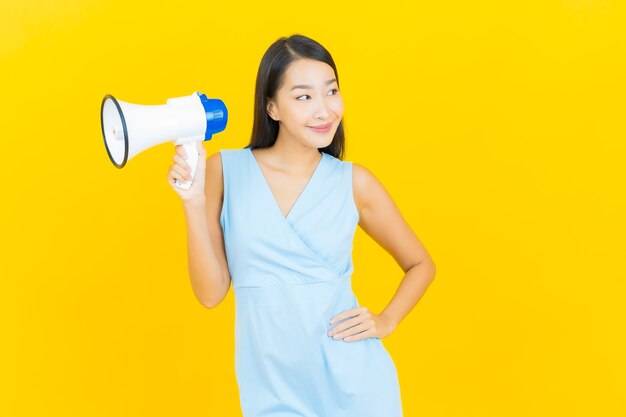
x: 119, y: 110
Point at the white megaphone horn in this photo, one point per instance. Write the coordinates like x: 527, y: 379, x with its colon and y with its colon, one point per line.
x: 129, y: 129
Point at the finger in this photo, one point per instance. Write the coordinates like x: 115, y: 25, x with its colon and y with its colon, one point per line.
x: 180, y: 161
x: 348, y: 313
x: 352, y: 331
x: 180, y: 150
x: 363, y: 335
x: 170, y: 178
x: 346, y: 325
x: 181, y: 172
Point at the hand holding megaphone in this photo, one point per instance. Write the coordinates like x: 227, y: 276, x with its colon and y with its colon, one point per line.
x: 182, y: 171
x: 129, y: 129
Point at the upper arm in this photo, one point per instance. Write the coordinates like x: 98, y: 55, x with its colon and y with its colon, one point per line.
x: 381, y: 219
x: 214, y: 192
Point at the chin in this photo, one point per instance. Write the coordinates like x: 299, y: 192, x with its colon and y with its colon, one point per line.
x: 324, y: 143
x: 320, y: 142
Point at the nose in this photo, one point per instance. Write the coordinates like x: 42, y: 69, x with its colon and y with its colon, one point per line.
x: 322, y: 110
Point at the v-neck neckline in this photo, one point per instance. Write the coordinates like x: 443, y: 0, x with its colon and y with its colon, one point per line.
x: 269, y: 189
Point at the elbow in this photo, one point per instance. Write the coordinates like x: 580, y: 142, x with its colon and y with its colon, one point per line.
x: 427, y: 266
x: 432, y: 268
x: 211, y: 303
x: 429, y: 269
x: 213, y: 296
x: 213, y: 300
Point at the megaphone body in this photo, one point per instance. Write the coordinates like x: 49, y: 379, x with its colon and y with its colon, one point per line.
x: 129, y: 129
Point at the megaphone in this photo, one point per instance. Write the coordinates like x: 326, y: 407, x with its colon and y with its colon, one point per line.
x: 129, y: 129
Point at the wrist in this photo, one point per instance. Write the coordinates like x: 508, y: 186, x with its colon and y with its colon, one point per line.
x: 391, y: 322
x: 194, y: 203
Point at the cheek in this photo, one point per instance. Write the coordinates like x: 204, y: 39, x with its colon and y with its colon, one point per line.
x: 338, y: 107
x: 295, y: 113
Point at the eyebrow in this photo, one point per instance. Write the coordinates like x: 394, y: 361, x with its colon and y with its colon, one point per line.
x: 305, y: 87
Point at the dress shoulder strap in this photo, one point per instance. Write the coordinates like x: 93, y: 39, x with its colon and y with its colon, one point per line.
x: 233, y: 175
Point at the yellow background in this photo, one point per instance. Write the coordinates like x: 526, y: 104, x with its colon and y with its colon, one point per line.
x: 497, y: 127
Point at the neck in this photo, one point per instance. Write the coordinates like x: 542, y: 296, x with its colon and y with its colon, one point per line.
x: 293, y: 156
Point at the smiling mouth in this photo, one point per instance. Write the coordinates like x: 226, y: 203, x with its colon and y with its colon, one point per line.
x: 322, y: 127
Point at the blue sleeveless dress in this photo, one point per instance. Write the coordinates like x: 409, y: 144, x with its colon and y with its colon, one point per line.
x: 290, y: 276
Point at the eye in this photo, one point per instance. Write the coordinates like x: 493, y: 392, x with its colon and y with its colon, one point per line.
x: 334, y: 89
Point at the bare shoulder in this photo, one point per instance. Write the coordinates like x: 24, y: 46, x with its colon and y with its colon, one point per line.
x: 214, y: 163
x: 214, y: 183
x: 365, y: 186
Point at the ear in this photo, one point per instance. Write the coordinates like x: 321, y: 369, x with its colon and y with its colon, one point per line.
x: 270, y: 110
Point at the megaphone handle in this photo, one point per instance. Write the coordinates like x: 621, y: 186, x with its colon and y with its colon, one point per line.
x: 191, y: 149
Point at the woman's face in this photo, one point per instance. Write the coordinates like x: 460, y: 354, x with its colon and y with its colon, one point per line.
x: 308, y: 97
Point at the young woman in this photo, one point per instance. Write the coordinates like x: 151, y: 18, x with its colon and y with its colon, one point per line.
x: 277, y: 219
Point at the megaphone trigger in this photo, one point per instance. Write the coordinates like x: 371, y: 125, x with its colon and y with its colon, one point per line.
x: 191, y: 157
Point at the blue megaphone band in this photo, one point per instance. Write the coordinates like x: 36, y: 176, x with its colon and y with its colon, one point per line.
x: 216, y: 115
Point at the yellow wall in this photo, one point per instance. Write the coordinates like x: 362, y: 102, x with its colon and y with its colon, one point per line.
x: 498, y: 128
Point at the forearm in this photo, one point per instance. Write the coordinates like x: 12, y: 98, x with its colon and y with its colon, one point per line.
x: 207, y: 280
x: 409, y: 292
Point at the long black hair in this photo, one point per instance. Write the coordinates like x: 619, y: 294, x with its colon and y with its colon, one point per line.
x: 271, y: 76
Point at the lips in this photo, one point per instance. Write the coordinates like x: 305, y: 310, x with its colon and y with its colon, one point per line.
x: 321, y: 128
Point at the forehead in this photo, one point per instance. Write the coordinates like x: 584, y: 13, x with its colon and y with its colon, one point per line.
x: 308, y: 71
